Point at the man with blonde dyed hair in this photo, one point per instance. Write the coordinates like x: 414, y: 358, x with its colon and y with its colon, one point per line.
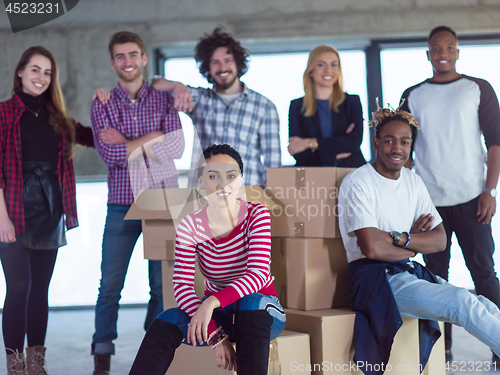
x: 389, y: 218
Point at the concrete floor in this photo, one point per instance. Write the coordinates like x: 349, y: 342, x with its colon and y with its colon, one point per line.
x: 69, y: 335
x: 70, y: 332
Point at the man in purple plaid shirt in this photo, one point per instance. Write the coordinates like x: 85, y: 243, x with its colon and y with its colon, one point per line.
x: 229, y: 112
x: 147, y: 123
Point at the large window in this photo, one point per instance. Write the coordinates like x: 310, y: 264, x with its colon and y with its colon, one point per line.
x: 405, y: 67
x: 279, y: 77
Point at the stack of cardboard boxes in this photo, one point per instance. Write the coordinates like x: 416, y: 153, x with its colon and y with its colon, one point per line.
x: 310, y: 268
x: 308, y: 258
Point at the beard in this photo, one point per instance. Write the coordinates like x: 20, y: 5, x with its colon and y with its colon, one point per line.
x: 224, y: 85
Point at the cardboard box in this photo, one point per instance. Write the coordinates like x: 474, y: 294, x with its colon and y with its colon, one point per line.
x: 286, y: 356
x: 306, y: 201
x: 159, y: 239
x: 310, y: 273
x: 436, y: 364
x: 294, y: 354
x: 167, y: 272
x: 161, y: 210
x: 157, y: 224
x: 332, y: 346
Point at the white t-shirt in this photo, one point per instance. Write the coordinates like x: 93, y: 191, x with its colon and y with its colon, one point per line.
x: 369, y: 200
x: 229, y: 98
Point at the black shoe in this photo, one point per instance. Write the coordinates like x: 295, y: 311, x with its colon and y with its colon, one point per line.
x: 102, y: 363
x: 448, y: 356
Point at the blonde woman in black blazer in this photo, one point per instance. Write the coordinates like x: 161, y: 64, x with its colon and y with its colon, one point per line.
x: 326, y: 124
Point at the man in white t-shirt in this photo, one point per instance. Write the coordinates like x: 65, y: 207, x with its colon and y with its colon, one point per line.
x: 386, y: 217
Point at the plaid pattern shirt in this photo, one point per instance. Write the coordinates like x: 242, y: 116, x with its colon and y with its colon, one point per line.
x: 84, y: 135
x: 153, y: 110
x: 11, y: 175
x: 250, y: 125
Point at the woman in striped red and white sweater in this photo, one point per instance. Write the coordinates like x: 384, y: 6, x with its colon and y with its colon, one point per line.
x: 231, y: 240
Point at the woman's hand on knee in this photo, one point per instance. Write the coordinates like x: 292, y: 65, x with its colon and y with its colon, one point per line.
x: 199, y: 322
x: 225, y: 356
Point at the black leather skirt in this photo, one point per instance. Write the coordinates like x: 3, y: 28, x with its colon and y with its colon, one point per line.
x: 43, y: 208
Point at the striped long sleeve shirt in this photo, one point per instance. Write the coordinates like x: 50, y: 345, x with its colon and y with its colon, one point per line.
x: 233, y: 266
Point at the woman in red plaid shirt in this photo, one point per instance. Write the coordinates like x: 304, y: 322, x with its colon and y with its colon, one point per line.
x: 37, y: 201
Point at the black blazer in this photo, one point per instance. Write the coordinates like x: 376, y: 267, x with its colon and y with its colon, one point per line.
x: 310, y: 127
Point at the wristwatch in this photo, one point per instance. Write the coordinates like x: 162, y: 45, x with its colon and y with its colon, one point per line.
x: 396, y: 236
x: 493, y: 192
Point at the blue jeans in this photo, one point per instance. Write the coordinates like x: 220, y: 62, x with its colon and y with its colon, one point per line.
x: 445, y: 302
x: 119, y: 239
x: 224, y: 317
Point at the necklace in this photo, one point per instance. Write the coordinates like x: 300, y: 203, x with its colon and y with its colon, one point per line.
x: 35, y: 113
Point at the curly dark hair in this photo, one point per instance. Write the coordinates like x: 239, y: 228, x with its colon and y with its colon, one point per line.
x: 220, y: 38
x: 219, y: 150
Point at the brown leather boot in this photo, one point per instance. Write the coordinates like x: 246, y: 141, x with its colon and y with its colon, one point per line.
x: 35, y: 360
x: 102, y: 363
x: 15, y: 363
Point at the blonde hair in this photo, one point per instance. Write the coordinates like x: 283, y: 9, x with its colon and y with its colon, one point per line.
x: 309, y: 106
x: 383, y: 116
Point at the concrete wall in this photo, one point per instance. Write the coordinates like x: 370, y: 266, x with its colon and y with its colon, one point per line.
x: 79, y: 39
